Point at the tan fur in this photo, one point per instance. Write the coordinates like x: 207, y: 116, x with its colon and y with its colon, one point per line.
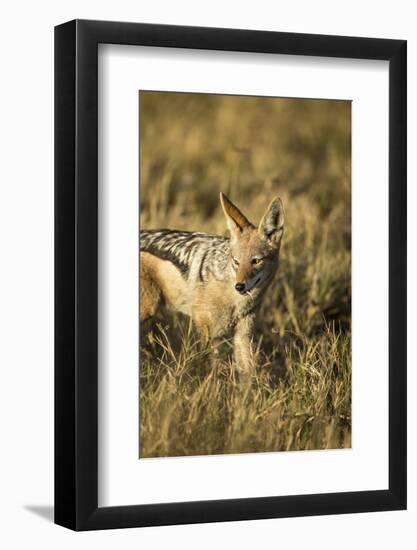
x: 160, y: 282
x: 215, y: 305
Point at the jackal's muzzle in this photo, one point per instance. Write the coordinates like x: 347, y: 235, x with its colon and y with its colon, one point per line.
x: 242, y: 288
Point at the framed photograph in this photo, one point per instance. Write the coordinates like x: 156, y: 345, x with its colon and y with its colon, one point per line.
x: 230, y: 253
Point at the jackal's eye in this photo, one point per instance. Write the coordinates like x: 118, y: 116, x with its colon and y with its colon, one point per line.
x: 235, y: 261
x: 256, y: 261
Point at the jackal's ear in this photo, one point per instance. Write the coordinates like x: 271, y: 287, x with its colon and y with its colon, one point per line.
x: 272, y: 224
x: 236, y: 221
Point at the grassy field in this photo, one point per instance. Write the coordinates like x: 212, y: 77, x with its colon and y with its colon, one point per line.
x: 192, y: 147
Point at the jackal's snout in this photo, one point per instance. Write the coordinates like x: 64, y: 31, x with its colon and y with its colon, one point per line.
x: 243, y: 287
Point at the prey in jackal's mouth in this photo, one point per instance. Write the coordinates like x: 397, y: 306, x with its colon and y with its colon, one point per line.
x: 218, y: 281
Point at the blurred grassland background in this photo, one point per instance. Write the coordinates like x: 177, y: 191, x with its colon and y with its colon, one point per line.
x: 191, y: 147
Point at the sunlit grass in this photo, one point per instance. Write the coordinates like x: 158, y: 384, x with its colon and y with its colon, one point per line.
x: 253, y: 149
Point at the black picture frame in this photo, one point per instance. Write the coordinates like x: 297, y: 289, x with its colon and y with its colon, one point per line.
x: 76, y: 271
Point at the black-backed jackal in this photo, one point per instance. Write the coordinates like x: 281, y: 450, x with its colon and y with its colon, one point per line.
x: 218, y: 281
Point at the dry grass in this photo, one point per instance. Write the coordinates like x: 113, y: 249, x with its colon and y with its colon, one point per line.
x: 193, y: 146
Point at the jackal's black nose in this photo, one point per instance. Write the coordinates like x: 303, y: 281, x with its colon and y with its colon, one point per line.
x: 240, y: 287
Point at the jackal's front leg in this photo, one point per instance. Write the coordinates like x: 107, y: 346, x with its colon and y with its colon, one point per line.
x: 244, y: 346
x: 208, y: 342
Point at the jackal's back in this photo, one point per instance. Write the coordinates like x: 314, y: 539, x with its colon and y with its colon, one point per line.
x: 195, y: 254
